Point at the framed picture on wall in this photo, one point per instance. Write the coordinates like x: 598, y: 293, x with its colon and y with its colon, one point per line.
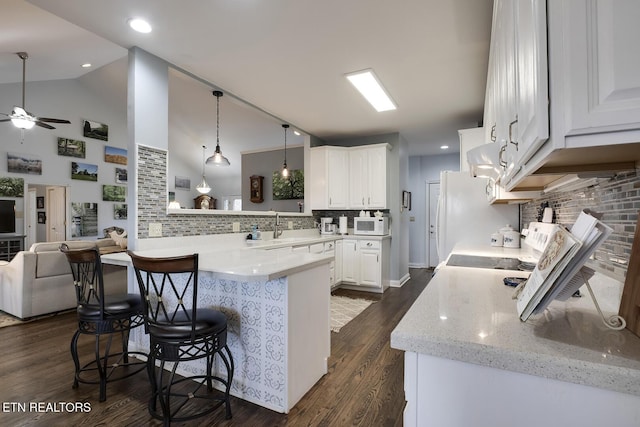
x: 115, y: 155
x: 406, y: 200
x: 183, y: 183
x: 42, y: 217
x: 40, y: 202
x: 96, y: 130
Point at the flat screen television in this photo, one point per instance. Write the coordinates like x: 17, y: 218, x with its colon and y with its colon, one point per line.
x: 7, y: 216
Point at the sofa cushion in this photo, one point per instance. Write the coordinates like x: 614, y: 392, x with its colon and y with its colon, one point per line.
x: 52, y: 263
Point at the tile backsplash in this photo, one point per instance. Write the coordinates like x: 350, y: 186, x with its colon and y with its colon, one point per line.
x: 617, y: 199
x: 152, y: 202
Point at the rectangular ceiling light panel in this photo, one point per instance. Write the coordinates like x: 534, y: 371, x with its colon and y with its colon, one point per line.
x: 369, y: 86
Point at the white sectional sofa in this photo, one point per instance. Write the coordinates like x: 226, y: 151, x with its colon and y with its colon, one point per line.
x: 39, y: 281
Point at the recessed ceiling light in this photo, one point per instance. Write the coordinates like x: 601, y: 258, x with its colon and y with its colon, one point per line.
x: 86, y: 65
x: 296, y: 132
x: 444, y: 147
x: 370, y: 87
x: 140, y: 25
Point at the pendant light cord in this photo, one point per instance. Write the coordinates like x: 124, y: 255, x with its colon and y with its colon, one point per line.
x: 217, y: 123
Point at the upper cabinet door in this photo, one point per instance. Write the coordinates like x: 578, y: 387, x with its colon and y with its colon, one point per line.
x: 358, y: 185
x: 377, y: 178
x: 532, y: 86
x: 604, y: 65
x: 338, y: 167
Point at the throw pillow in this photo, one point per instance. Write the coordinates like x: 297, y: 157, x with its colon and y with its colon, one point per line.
x: 119, y: 238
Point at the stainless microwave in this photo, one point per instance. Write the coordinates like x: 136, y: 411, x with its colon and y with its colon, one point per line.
x: 372, y: 226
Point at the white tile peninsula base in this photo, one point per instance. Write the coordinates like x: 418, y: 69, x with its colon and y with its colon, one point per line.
x: 449, y: 393
x: 278, y: 334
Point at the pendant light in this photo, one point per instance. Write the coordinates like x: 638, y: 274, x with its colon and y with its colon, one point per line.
x: 203, y: 187
x: 218, y: 159
x: 285, y: 170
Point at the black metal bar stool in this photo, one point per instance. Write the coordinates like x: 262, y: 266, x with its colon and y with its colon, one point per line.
x: 102, y: 315
x: 179, y: 332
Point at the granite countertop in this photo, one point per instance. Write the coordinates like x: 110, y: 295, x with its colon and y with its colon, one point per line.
x: 237, y: 261
x: 468, y: 314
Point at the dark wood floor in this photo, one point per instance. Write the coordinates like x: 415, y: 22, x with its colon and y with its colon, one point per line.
x: 364, y: 386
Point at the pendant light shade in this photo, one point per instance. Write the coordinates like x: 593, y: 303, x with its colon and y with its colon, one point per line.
x: 203, y: 187
x: 218, y: 159
x: 285, y: 170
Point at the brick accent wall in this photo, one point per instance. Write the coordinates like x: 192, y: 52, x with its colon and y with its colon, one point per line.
x: 153, y: 198
x: 618, y: 200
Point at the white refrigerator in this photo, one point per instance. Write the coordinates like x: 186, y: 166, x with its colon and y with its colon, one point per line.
x: 465, y: 216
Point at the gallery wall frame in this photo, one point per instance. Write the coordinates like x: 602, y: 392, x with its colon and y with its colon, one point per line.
x: 72, y: 148
x: 84, y: 171
x: 24, y: 163
x: 95, y: 130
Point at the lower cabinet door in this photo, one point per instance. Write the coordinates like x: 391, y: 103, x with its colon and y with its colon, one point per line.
x: 370, y: 268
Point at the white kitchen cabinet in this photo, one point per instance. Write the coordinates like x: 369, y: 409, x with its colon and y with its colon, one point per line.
x: 365, y: 263
x: 603, y: 63
x: 350, y: 271
x: 593, y: 92
x: 368, y: 177
x: 338, y: 264
x: 516, y: 103
x: 328, y: 177
x: 370, y: 263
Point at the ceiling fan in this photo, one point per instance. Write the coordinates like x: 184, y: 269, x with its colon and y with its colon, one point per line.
x: 20, y: 117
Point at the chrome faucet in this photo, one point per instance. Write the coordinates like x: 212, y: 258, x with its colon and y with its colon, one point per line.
x: 277, y: 231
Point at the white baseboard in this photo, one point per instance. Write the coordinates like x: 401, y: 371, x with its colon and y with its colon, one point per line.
x: 416, y: 265
x: 399, y: 283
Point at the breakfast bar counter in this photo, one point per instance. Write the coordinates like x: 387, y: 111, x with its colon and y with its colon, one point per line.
x: 466, y: 348
x: 277, y: 307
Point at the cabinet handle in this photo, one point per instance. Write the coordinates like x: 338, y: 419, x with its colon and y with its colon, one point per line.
x: 377, y: 258
x: 510, y: 133
x: 363, y: 201
x: 368, y: 200
x: 329, y: 200
x: 493, y: 133
x: 502, y: 162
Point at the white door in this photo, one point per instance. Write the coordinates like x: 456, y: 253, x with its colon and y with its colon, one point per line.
x: 338, y: 162
x: 56, y: 214
x: 433, y: 193
x: 377, y: 178
x: 31, y: 219
x: 357, y: 178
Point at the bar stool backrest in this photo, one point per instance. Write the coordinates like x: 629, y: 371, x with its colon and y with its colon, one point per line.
x: 169, y: 289
x: 86, y: 269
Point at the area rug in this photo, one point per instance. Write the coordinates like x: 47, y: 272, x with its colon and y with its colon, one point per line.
x: 8, y: 320
x: 344, y: 309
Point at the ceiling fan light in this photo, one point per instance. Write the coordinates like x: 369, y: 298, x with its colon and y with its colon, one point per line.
x: 22, y: 123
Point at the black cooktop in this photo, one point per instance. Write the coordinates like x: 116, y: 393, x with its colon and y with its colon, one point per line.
x: 498, y: 263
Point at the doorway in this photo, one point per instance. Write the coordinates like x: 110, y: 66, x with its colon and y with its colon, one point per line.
x: 46, y: 213
x: 433, y: 193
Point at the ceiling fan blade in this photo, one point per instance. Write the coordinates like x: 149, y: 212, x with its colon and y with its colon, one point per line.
x: 43, y: 125
x: 45, y: 119
x: 5, y: 120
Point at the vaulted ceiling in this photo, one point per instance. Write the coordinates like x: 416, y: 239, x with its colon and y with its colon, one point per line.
x: 287, y: 57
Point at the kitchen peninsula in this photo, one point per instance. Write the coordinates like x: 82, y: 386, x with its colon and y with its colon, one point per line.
x: 469, y: 360
x: 277, y: 305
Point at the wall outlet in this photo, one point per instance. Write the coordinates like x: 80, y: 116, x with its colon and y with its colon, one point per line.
x: 290, y: 225
x: 155, y: 229
x: 236, y: 227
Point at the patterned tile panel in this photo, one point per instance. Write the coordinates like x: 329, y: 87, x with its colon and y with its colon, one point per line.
x: 256, y: 336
